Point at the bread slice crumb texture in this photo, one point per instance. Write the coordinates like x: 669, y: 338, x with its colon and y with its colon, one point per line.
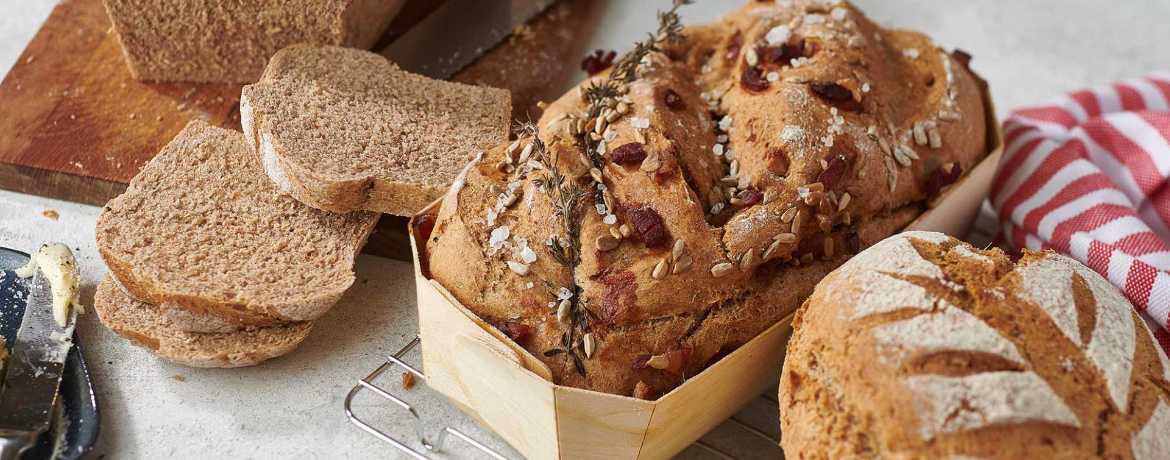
x: 202, y: 228
x: 146, y: 325
x: 344, y: 129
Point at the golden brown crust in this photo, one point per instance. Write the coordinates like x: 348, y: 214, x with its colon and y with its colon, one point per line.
x: 720, y: 262
x: 925, y: 347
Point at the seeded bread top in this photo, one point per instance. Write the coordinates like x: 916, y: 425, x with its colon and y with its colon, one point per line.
x: 343, y: 116
x: 201, y: 227
x: 925, y: 347
x: 719, y: 170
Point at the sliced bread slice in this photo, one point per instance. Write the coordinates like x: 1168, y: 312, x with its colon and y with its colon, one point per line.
x: 201, y: 228
x: 147, y: 326
x: 342, y: 129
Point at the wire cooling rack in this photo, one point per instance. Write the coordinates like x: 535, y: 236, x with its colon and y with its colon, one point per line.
x: 425, y: 445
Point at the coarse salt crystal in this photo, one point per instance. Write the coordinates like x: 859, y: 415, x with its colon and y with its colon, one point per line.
x: 640, y: 123
x: 609, y: 219
x: 499, y: 234
x: 564, y: 293
x: 773, y: 76
x: 911, y: 53
x: 528, y: 255
x: 778, y: 35
x: 717, y: 149
x: 725, y: 122
x: 839, y: 13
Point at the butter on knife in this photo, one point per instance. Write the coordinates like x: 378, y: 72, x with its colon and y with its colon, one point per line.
x: 60, y: 268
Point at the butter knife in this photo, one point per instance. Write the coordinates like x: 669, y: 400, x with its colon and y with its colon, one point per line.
x: 457, y: 33
x: 34, y: 372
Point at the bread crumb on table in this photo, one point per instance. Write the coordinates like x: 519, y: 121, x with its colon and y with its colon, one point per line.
x: 50, y: 214
x: 408, y: 381
x: 179, y: 378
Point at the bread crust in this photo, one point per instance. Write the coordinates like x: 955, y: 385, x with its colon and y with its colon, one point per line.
x: 925, y: 347
x: 148, y: 326
x: 717, y: 290
x: 401, y: 148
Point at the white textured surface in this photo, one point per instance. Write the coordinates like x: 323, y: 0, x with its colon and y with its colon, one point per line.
x: 1112, y: 343
x: 1153, y: 441
x: 291, y: 407
x: 951, y: 329
x: 958, y: 404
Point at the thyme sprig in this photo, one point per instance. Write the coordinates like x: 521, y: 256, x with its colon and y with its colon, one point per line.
x: 605, y: 94
x: 566, y: 194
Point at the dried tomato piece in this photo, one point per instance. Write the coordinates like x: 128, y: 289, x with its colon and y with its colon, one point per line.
x: 831, y: 91
x: 963, y: 57
x: 751, y: 197
x: 733, y: 47
x: 941, y: 177
x: 598, y: 61
x: 632, y: 153
x: 515, y: 331
x: 753, y: 80
x: 649, y: 226
x: 423, y: 226
x: 674, y: 101
x: 784, y: 54
x: 837, y: 166
x: 644, y: 392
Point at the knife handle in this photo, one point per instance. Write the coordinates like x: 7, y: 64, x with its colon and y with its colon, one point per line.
x: 13, y: 443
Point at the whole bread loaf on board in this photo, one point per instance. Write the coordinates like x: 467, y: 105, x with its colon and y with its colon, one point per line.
x: 732, y: 174
x: 203, y: 232
x: 148, y: 326
x: 925, y: 347
x: 230, y: 41
x: 342, y: 129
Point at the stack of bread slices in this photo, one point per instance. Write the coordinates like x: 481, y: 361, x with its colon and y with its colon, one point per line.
x: 227, y: 246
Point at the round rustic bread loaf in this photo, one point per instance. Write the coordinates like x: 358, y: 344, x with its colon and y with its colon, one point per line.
x: 735, y: 171
x: 924, y: 347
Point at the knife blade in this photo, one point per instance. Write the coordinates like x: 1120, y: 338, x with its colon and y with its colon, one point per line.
x: 457, y: 33
x: 34, y: 370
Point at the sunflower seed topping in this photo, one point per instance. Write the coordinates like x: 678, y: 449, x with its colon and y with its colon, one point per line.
x: 588, y: 344
x: 661, y: 269
x: 722, y: 269
x: 606, y: 243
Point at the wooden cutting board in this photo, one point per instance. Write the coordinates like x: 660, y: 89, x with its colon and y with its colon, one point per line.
x: 75, y: 126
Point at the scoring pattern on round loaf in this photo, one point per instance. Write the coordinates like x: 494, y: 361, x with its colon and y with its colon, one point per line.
x: 707, y: 197
x: 924, y: 347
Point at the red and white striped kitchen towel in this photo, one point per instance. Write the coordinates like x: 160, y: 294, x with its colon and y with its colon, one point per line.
x: 1088, y: 175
